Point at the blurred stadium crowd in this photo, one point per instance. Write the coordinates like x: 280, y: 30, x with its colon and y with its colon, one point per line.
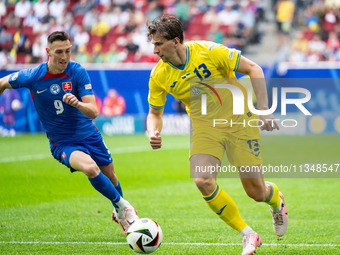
x: 114, y: 31
x: 317, y: 31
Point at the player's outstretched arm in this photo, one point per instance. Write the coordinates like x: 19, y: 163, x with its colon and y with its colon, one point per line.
x: 258, y: 82
x: 154, y: 125
x: 4, y: 84
x: 87, y: 106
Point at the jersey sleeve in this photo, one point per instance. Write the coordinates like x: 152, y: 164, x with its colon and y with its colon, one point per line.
x: 21, y: 79
x: 224, y: 57
x: 84, y: 85
x: 157, y: 95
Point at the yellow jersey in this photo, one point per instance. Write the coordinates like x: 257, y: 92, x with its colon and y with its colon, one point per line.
x: 207, y: 64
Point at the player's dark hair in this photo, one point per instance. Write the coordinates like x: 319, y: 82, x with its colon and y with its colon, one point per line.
x: 58, y: 36
x: 169, y: 27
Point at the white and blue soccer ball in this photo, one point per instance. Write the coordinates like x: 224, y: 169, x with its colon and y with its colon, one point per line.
x: 144, y: 236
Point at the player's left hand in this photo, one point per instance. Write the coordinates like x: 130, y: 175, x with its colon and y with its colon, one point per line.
x: 269, y: 122
x: 71, y: 99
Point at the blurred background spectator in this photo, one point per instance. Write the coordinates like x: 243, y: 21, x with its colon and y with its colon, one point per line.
x: 114, y: 104
x: 81, y: 38
x: 56, y: 8
x: 82, y: 56
x: 114, y: 56
x: 2, y: 8
x: 10, y: 102
x: 284, y: 19
x: 12, y: 20
x: 40, y: 8
x: 97, y: 56
x: 22, y: 8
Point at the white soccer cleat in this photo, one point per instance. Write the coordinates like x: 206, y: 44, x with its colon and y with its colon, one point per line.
x: 130, y: 216
x: 250, y: 243
x: 280, y: 218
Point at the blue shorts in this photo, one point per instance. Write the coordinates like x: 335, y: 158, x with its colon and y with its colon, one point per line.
x: 93, y: 146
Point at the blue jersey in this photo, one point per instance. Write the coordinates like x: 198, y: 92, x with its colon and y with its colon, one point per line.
x: 61, y: 121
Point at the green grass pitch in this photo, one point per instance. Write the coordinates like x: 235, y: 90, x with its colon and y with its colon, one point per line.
x: 44, y: 209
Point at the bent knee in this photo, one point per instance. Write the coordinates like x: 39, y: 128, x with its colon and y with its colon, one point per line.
x: 203, y: 182
x: 205, y: 185
x: 91, y: 169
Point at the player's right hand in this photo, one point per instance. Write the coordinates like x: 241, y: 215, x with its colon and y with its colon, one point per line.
x: 71, y: 99
x: 155, y: 140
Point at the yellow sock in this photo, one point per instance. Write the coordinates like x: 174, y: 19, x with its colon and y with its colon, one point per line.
x: 274, y: 199
x: 223, y: 205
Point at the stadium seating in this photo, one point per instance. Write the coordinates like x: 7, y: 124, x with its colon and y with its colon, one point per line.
x: 196, y: 29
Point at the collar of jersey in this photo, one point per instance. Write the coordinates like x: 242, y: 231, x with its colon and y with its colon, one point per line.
x: 181, y: 67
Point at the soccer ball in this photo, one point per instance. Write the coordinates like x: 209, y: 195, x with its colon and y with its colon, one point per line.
x: 16, y: 105
x: 144, y: 236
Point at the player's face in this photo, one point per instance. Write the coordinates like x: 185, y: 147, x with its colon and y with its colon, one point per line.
x: 59, y: 53
x: 164, y: 48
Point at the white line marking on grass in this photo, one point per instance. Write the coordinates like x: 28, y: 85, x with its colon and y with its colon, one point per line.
x: 24, y: 158
x: 114, y: 151
x: 183, y: 244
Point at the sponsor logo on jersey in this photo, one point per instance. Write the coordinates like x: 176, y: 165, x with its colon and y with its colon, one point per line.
x: 55, y: 89
x: 15, y: 76
x: 88, y: 86
x: 67, y: 87
x: 63, y: 156
x: 41, y: 91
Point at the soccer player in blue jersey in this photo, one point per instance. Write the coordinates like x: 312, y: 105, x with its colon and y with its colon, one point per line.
x: 64, y: 100
x: 184, y: 71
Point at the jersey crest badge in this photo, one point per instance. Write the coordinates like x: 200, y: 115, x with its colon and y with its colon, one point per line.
x: 67, y: 87
x: 55, y: 89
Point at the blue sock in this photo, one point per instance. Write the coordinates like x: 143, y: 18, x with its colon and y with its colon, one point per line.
x: 119, y: 189
x: 103, y: 184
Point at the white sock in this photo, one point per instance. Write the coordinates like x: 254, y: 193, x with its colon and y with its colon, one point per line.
x: 247, y: 230
x: 122, y: 203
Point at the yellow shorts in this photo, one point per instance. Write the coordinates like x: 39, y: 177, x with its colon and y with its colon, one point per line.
x: 242, y: 148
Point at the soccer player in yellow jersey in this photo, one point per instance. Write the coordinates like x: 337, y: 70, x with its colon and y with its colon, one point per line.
x: 189, y: 70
